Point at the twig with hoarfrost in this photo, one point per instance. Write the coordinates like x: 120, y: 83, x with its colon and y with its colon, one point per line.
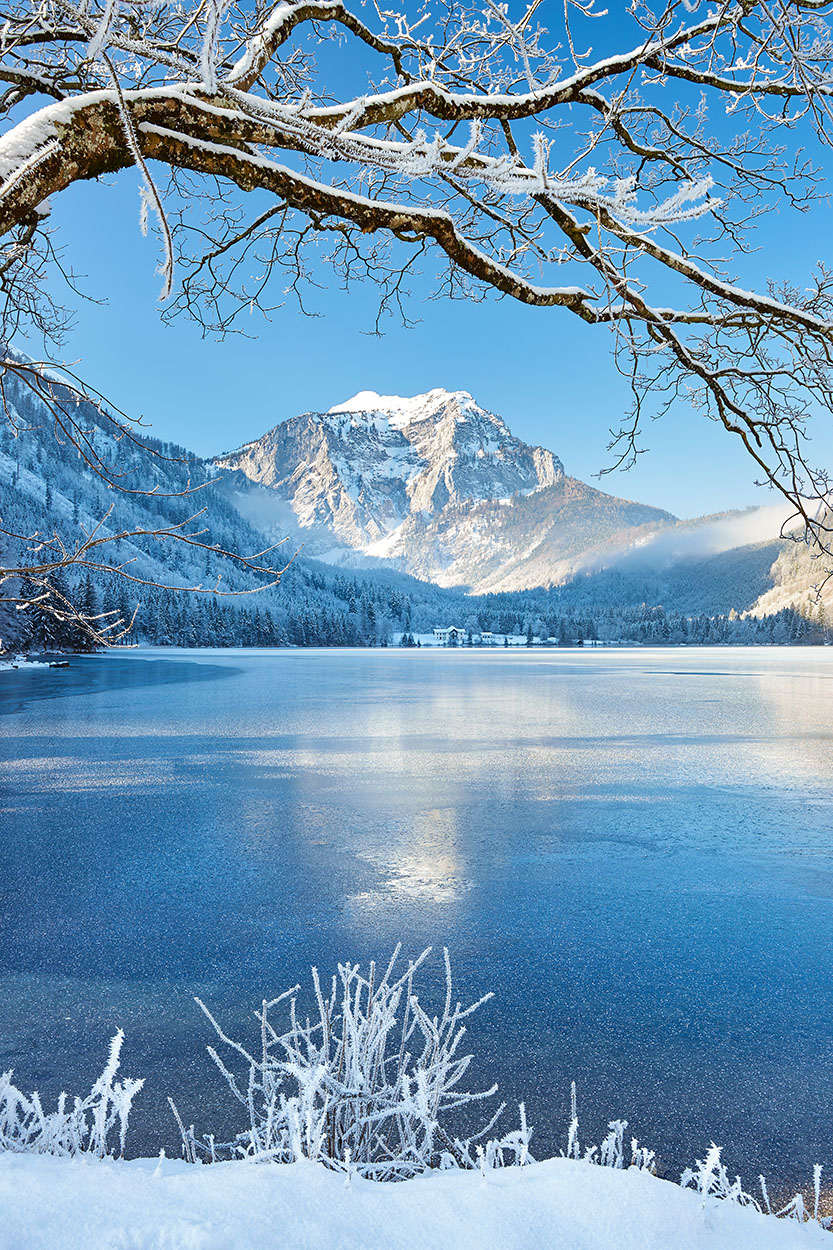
x: 370, y: 1082
x: 95, y: 1125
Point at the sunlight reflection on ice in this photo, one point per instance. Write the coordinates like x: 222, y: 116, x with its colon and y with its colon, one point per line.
x: 43, y: 774
x: 638, y: 861
x: 428, y: 867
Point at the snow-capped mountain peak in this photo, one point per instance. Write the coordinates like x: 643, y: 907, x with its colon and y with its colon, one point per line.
x: 436, y: 484
x: 401, y: 410
x: 370, y: 464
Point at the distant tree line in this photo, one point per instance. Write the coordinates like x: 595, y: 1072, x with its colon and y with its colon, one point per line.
x: 360, y: 618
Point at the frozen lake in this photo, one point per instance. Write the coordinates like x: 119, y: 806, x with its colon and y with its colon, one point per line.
x: 632, y: 848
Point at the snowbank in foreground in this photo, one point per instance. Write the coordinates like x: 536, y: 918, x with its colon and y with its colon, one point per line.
x: 47, y: 1203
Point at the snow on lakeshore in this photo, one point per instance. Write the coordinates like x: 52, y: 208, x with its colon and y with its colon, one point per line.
x: 19, y: 661
x: 146, y: 1204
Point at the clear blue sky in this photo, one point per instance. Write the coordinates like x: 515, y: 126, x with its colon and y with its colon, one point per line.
x: 551, y: 377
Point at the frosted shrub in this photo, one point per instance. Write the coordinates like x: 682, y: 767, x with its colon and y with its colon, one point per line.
x: 643, y: 1159
x: 368, y: 1083
x: 710, y: 1178
x: 512, y: 1150
x: 611, y: 1153
x: 795, y: 1208
x: 87, y: 1126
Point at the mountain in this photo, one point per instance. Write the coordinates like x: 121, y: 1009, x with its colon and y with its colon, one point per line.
x: 595, y: 566
x: 435, y: 485
x: 362, y: 468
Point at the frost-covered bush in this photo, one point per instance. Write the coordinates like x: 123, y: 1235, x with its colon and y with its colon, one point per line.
x: 94, y: 1125
x: 611, y: 1152
x: 368, y: 1083
x: 708, y: 1176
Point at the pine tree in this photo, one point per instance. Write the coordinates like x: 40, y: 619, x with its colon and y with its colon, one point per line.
x: 86, y: 601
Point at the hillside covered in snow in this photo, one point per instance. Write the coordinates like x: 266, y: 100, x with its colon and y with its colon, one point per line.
x: 435, y: 484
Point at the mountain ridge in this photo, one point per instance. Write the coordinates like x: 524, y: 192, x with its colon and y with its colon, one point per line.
x: 435, y: 485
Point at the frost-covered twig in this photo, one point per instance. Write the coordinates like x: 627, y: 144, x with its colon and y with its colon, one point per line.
x: 369, y: 1083
x: 94, y: 1125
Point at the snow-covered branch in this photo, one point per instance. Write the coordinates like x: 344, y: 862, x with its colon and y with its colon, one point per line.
x: 622, y: 185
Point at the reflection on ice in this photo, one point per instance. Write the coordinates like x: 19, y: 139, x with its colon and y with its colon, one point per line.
x: 427, y: 867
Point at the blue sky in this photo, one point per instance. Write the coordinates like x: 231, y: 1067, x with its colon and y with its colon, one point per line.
x: 551, y: 377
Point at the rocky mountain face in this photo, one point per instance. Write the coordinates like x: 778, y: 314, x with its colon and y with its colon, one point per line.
x: 365, y: 466
x: 434, y: 485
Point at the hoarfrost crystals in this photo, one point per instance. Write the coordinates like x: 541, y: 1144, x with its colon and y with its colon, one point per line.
x: 367, y: 1086
x: 85, y: 1127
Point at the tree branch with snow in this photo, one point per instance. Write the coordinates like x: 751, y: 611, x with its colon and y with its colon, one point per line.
x: 612, y: 167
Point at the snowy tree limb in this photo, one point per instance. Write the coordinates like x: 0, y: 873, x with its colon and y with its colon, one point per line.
x: 623, y: 187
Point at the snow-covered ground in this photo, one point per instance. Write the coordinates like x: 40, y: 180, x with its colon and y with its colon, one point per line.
x: 47, y: 1203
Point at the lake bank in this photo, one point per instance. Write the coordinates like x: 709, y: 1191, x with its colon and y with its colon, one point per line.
x: 81, y: 1204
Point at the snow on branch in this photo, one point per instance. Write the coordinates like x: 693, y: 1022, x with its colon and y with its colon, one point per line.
x: 625, y: 188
